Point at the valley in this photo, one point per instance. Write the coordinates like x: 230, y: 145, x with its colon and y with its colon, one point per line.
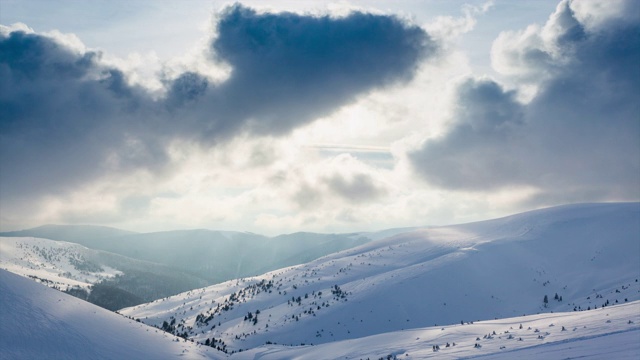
x: 560, y: 280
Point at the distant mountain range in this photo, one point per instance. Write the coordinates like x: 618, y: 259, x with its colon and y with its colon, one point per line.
x: 79, y: 234
x: 115, y: 268
x: 213, y: 256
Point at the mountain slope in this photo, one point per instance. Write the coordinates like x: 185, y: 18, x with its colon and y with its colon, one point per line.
x: 588, y: 254
x: 38, y: 322
x: 42, y: 323
x: 612, y: 332
x: 59, y: 264
x: 212, y: 255
x: 108, y: 280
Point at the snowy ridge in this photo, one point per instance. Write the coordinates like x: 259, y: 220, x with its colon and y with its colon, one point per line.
x: 57, y: 264
x: 108, y: 280
x: 588, y: 255
x: 42, y: 323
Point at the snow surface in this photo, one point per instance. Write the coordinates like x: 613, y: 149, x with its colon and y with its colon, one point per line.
x: 596, y: 334
x: 37, y: 322
x: 588, y: 254
x: 57, y: 264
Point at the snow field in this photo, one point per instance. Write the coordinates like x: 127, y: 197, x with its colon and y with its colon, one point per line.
x: 42, y: 323
x: 593, y: 334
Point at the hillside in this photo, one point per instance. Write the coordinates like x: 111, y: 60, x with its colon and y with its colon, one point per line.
x: 611, y: 332
x: 38, y: 322
x: 42, y: 323
x: 215, y: 256
x: 58, y: 264
x: 588, y: 254
x: 105, y: 279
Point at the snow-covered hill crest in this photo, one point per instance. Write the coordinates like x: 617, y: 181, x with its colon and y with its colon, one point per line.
x: 58, y: 264
x: 588, y: 255
x: 106, y: 279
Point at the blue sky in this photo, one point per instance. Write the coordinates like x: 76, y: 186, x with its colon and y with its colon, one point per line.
x: 313, y: 116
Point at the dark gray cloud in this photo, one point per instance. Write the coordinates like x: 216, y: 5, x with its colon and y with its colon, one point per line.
x: 577, y: 140
x: 472, y: 154
x: 66, y: 119
x: 289, y: 69
x: 357, y: 189
x: 61, y: 115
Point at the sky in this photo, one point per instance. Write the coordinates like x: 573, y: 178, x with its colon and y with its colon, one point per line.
x: 285, y: 116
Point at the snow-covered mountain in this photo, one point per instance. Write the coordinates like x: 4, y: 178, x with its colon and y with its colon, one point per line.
x: 41, y: 323
x: 588, y: 255
x: 38, y: 322
x: 108, y: 280
x: 58, y: 264
x: 214, y: 256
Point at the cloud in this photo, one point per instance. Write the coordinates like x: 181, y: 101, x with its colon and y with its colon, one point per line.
x: 450, y: 28
x: 289, y: 69
x: 471, y: 155
x: 357, y: 189
x: 63, y: 116
x: 307, y: 197
x: 67, y: 118
x: 342, y: 181
x: 576, y: 140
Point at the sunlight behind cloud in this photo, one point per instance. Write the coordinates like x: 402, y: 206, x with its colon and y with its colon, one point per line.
x: 302, y: 116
